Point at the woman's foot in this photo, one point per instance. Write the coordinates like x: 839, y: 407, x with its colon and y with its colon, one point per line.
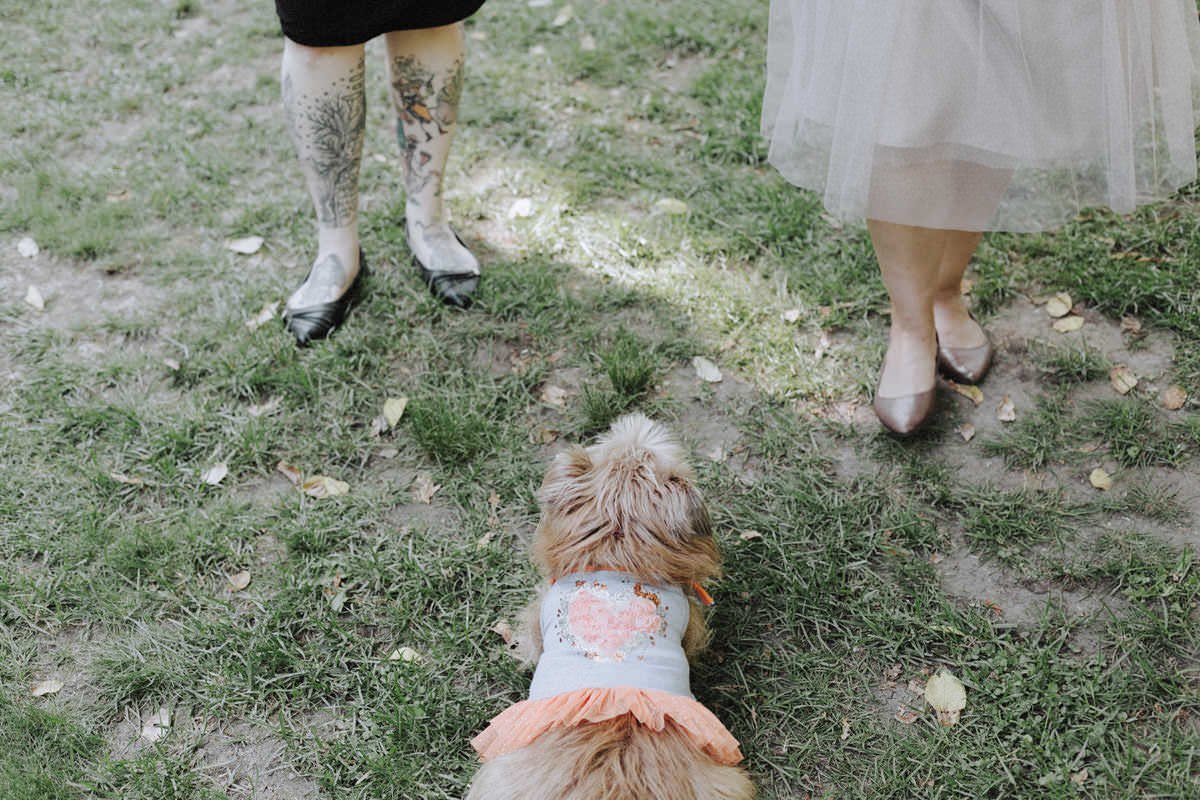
x: 448, y: 268
x: 320, y: 304
x: 964, y: 350
x: 907, y: 382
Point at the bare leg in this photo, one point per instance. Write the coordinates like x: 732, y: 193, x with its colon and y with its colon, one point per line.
x: 955, y: 328
x: 910, y: 259
x: 426, y: 69
x: 326, y: 112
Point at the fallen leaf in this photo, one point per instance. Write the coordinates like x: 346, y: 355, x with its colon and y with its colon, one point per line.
x: 947, y: 695
x: 1100, y: 479
x: 215, y: 474
x: 542, y: 435
x: 1131, y: 326
x: 1090, y: 447
x: 28, y: 247
x: 125, y: 479
x: 264, y: 409
x: 171, y: 364
x: 424, y: 489
x: 1006, y: 412
x: 791, y: 315
x: 706, y: 370
x: 239, y: 580
x: 1122, y: 379
x: 671, y: 207
x: 522, y: 207
x: 823, y: 345
x: 48, y: 686
x: 1079, y: 778
x: 157, y: 726
x: 483, y: 541
x: 265, y: 315
x: 393, y: 409
x: 936, y: 558
x: 379, y: 426
x: 845, y: 728
x: 554, y: 395
x: 504, y: 631
x: 388, y: 452
x: 320, y: 486
x: 916, y: 686
x: 246, y: 246
x: 749, y: 536
x: 1068, y: 324
x: 338, y: 601
x: 564, y: 16
x: 587, y: 43
x: 1059, y: 305
x: 289, y: 472
x: 1174, y: 398
x: 966, y: 431
x: 406, y: 654
x: 972, y: 393
x: 33, y: 298
x: 118, y: 196
x: 906, y: 715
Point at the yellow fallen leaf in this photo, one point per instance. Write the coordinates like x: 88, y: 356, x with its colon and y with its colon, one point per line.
x: 393, y: 409
x: 972, y: 393
x: 34, y: 299
x: 406, y: 654
x: 749, y: 536
x: 215, y: 474
x: 1174, y: 398
x: 289, y: 472
x: 264, y: 315
x: 1068, y: 324
x: 1122, y: 379
x: 121, y: 477
x: 1131, y: 326
x: 246, y: 246
x: 1059, y: 305
x: 239, y: 580
x: 504, y: 631
x: 1079, y: 778
x: 966, y: 431
x: 424, y: 488
x: 554, y: 395
x: 27, y: 247
x: 48, y: 686
x: 671, y: 207
x: 845, y: 728
x: 320, y: 486
x: 1006, y: 412
x: 706, y: 370
x: 1100, y: 479
x: 947, y: 695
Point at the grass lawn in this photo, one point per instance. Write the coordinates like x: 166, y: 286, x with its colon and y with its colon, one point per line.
x: 342, y: 646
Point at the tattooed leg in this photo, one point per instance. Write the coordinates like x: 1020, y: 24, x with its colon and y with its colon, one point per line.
x: 426, y: 71
x: 325, y: 104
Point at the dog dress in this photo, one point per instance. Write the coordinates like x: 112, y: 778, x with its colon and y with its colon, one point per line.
x: 612, y: 645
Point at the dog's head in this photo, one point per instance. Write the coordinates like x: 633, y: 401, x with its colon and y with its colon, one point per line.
x: 626, y: 503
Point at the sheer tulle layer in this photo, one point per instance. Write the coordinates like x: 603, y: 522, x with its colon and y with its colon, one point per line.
x: 519, y: 725
x: 983, y: 114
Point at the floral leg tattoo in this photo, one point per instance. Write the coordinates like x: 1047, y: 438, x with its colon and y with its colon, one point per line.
x: 325, y: 104
x: 426, y: 99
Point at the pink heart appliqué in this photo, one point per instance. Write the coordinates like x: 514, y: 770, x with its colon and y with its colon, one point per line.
x: 602, y: 626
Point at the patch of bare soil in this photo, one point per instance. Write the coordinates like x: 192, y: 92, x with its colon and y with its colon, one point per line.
x: 706, y: 419
x: 247, y: 760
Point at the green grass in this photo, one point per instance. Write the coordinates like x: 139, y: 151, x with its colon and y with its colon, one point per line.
x: 150, y: 136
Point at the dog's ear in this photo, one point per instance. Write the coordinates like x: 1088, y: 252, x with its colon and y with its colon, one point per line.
x: 696, y: 529
x: 566, y: 469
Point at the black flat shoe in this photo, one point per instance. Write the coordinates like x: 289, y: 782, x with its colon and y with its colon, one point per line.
x: 317, y: 322
x: 452, y: 288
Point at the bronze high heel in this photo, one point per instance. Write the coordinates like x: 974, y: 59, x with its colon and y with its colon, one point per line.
x: 906, y: 413
x: 966, y: 364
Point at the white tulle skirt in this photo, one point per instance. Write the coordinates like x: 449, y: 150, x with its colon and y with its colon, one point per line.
x: 983, y: 114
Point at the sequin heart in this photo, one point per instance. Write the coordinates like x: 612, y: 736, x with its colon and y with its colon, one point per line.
x: 610, y: 627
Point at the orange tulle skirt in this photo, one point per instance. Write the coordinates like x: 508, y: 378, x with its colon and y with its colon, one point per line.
x: 519, y: 725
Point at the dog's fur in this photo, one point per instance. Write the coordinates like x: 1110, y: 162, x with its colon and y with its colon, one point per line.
x: 627, y: 503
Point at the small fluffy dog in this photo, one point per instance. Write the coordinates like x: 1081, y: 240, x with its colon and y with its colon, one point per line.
x: 625, y: 542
